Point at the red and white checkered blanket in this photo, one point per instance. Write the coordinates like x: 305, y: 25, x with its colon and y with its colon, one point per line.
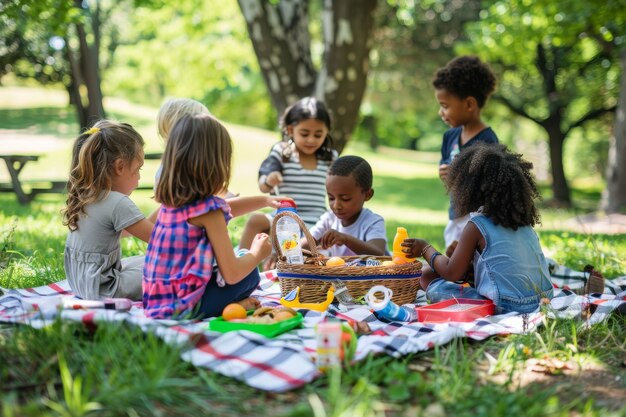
x: 288, y: 361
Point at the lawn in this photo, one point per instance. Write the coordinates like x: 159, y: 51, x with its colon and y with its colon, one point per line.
x: 67, y: 370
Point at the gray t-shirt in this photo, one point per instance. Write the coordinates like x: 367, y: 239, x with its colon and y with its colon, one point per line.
x: 368, y: 226
x: 92, y: 252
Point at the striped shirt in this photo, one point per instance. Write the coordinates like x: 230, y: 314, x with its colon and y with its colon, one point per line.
x: 306, y: 186
x: 179, y: 259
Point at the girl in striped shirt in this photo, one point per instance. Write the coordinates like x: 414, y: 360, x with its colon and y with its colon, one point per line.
x: 297, y: 166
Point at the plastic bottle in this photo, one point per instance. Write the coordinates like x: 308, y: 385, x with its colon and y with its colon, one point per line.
x: 328, y: 336
x: 397, y: 253
x: 386, y: 308
x: 288, y: 234
x: 341, y: 293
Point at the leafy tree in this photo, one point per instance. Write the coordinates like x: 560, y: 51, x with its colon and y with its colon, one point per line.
x: 191, y: 49
x: 280, y: 34
x: 556, y: 69
x: 61, y: 41
x: 411, y: 41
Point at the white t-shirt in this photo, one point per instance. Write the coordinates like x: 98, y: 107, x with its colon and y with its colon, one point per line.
x: 367, y: 227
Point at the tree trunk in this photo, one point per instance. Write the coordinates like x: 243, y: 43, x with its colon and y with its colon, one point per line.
x: 560, y: 188
x: 73, y: 87
x: 546, y: 62
x: 347, y: 26
x: 614, y: 198
x: 89, y: 64
x: 282, y: 43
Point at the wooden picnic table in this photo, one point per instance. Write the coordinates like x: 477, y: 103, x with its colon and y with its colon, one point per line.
x: 15, y: 164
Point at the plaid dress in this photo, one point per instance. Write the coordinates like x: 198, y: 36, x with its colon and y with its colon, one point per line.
x: 179, y: 259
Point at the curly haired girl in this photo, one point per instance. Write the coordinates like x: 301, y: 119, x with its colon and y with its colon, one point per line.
x: 106, y: 160
x: 497, y: 188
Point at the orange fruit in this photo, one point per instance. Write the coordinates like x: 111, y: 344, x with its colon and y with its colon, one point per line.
x: 234, y: 311
x: 335, y: 261
x: 283, y: 315
x: 399, y: 260
x: 388, y: 263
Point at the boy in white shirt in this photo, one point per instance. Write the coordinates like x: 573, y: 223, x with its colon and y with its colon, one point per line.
x: 348, y: 229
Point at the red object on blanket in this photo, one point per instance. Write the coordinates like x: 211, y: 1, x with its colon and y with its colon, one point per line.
x: 459, y: 309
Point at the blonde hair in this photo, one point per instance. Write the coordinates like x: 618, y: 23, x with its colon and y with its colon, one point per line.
x: 93, y: 157
x: 196, y: 162
x: 175, y: 108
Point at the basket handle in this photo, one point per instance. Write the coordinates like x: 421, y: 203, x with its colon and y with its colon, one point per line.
x: 310, y: 239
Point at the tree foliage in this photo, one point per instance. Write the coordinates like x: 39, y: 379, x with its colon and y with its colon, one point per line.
x: 60, y: 42
x: 411, y: 41
x: 191, y: 49
x: 556, y: 66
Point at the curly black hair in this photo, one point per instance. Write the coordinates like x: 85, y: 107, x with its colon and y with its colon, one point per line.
x: 496, y: 179
x: 355, y: 166
x: 466, y: 76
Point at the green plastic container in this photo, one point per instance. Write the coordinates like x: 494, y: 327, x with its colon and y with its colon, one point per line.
x: 267, y: 330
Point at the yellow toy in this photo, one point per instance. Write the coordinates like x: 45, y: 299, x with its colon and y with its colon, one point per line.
x: 292, y: 300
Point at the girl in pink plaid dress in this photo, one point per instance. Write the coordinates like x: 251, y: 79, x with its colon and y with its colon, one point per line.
x: 190, y: 240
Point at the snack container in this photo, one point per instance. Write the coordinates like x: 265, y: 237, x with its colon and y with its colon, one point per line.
x: 267, y: 330
x: 328, y: 335
x: 458, y: 309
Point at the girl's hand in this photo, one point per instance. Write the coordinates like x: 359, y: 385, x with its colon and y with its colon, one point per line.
x: 413, y: 247
x: 261, y: 246
x: 443, y: 172
x: 274, y: 201
x: 332, y: 238
x: 274, y: 178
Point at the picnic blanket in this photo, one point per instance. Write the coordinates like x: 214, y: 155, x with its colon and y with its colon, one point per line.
x: 288, y: 361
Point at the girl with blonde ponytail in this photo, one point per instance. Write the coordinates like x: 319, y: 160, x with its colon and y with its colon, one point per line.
x: 106, y: 161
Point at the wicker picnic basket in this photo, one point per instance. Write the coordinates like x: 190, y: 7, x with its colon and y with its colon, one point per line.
x: 314, y: 278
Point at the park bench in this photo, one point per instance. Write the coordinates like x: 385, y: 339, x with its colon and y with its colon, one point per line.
x: 15, y: 164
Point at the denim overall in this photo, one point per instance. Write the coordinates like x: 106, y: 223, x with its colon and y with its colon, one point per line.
x: 512, y: 270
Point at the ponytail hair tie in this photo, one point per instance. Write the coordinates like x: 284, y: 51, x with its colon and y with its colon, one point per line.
x: 92, y: 131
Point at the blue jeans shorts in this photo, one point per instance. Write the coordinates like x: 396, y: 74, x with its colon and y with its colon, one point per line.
x: 441, y: 290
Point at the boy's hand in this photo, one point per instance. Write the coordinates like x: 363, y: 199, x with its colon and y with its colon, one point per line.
x: 274, y: 201
x: 261, y: 246
x: 413, y: 247
x: 443, y: 172
x: 332, y: 238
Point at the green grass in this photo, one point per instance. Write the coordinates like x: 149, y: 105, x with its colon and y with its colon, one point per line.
x: 119, y: 370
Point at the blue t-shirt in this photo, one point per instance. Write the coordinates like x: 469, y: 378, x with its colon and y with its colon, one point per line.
x: 451, y: 147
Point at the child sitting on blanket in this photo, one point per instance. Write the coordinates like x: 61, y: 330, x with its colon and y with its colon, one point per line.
x: 497, y: 188
x: 190, y: 236
x: 170, y: 112
x: 106, y: 160
x: 348, y: 229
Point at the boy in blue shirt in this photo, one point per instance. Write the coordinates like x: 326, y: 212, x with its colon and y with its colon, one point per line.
x: 462, y: 88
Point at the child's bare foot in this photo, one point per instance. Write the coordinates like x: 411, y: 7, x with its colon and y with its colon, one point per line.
x: 595, y: 281
x: 249, y: 303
